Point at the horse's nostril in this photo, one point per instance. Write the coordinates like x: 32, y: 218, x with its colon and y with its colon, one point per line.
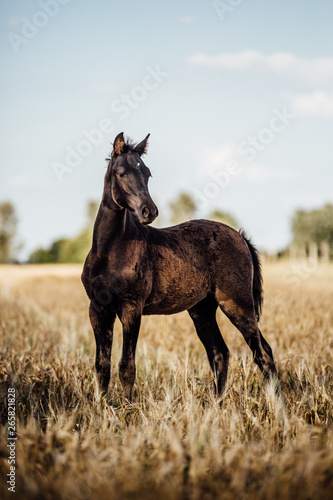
x: 145, y: 212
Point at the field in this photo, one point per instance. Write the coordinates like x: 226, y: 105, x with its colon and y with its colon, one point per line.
x: 174, y: 441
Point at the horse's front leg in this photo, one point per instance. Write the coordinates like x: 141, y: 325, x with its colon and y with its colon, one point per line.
x: 130, y: 318
x: 102, y: 325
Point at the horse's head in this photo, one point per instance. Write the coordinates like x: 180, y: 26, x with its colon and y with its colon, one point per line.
x: 127, y: 179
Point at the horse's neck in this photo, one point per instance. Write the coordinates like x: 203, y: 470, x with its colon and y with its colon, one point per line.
x: 110, y: 227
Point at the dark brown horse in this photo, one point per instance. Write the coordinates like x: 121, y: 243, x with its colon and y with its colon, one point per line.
x: 134, y: 269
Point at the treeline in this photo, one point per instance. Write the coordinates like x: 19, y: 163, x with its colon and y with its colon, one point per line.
x: 68, y: 250
x: 314, y: 228
x: 8, y: 229
x: 74, y: 250
x: 65, y: 250
x: 312, y: 232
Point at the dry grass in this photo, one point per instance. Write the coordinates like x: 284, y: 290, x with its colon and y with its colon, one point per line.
x: 174, y: 441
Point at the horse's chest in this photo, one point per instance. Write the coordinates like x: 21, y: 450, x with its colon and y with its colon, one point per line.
x: 118, y: 275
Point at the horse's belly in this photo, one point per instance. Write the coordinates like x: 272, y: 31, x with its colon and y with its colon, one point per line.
x: 166, y: 307
x: 174, y: 299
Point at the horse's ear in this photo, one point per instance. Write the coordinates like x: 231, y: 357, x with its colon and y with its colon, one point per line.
x: 141, y: 148
x: 118, y: 144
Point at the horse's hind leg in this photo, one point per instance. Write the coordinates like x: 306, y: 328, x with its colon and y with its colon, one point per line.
x: 203, y: 315
x: 243, y: 317
x: 266, y: 345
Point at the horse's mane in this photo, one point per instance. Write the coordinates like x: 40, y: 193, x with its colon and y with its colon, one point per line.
x: 127, y: 147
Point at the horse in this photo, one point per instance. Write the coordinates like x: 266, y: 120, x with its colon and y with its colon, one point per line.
x: 134, y: 269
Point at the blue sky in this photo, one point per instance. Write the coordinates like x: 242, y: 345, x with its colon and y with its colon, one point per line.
x: 237, y: 96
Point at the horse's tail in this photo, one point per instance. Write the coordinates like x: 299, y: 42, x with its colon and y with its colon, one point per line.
x: 257, y: 277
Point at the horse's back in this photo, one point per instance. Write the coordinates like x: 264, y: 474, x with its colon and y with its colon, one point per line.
x: 193, y: 259
x: 204, y: 241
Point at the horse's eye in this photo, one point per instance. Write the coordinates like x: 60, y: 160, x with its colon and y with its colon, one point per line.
x: 121, y: 174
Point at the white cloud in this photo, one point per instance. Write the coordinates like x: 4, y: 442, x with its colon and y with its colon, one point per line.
x: 314, y: 71
x: 14, y: 22
x: 217, y: 158
x: 186, y: 20
x: 318, y: 104
x: 260, y: 173
x: 241, y: 61
x: 29, y: 181
x: 102, y: 87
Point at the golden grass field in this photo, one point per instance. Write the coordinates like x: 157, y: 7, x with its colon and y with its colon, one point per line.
x: 174, y: 441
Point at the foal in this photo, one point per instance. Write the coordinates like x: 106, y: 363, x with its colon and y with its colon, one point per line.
x: 134, y: 269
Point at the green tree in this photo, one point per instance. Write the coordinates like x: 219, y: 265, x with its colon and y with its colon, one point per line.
x: 75, y: 250
x: 40, y: 256
x: 224, y: 217
x: 69, y: 250
x: 92, y: 209
x: 8, y: 226
x: 183, y: 208
x: 49, y: 255
x: 313, y: 226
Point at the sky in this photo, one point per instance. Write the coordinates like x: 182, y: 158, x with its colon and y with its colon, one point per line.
x: 236, y: 94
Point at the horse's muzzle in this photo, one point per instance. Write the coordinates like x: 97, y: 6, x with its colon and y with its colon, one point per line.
x: 148, y: 214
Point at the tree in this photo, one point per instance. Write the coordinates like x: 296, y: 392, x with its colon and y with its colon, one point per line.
x: 224, y: 217
x: 41, y: 256
x: 49, y: 255
x: 92, y: 210
x: 182, y: 209
x: 8, y: 226
x: 313, y: 226
x: 69, y: 250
